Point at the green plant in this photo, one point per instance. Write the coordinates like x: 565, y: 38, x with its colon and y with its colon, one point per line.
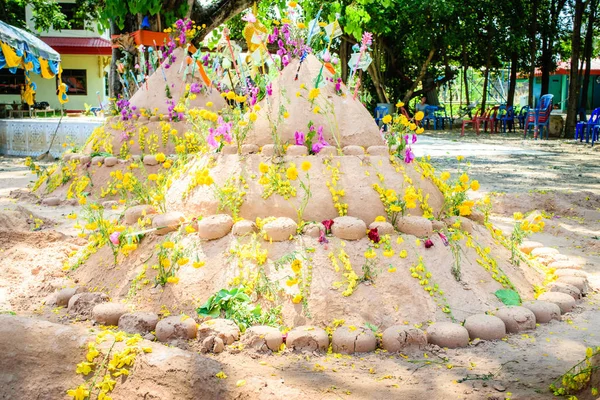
x: 578, y: 377
x: 237, y: 306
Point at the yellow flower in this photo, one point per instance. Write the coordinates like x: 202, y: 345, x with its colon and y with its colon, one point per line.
x: 167, y: 165
x: 305, y: 166
x: 418, y: 242
x: 286, y: 115
x: 291, y: 282
x: 297, y: 299
x: 403, y: 254
x: 460, y: 158
x: 445, y: 176
x: 293, y: 4
x: 313, y: 94
x: 168, y: 245
x: 380, y: 218
x: 198, y: 264
x: 173, y: 279
x: 241, y: 382
x: 419, y: 115
x: 393, y: 269
x: 292, y: 173
x: 81, y: 393
x: 253, y: 116
x: 464, y: 178
x: 296, y: 266
x: 399, y: 104
x: 160, y: 157
x: 518, y: 216
x: 388, y: 253
x: 370, y: 254
x: 298, y: 94
x: 209, y: 104
x: 316, y: 110
x: 190, y: 229
x: 263, y: 168
x: 221, y: 375
x: 152, y: 177
x: 183, y: 261
x: 84, y: 368
x: 475, y: 185
x: 301, y: 25
x: 419, y: 130
x: 387, y: 119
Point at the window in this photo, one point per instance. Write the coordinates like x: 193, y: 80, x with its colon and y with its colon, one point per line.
x: 70, y: 11
x: 76, y: 81
x: 11, y: 83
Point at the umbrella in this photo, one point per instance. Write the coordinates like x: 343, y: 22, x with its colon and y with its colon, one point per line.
x: 24, y: 42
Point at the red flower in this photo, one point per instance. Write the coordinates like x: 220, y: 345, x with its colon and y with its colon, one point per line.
x: 373, y: 235
x: 428, y: 243
x: 327, y: 224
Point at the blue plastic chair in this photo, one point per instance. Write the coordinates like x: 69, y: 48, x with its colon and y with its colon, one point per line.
x: 540, y: 117
x: 443, y: 119
x: 521, y: 116
x: 507, y: 119
x: 380, y: 112
x: 430, y: 116
x: 588, y: 127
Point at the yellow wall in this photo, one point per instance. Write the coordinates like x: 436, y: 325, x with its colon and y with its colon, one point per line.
x: 46, y: 88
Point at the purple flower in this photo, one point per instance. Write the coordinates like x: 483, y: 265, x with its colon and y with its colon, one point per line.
x: 408, y: 156
x: 222, y: 132
x: 322, y: 238
x: 414, y: 138
x: 317, y: 147
x: 428, y: 243
x: 321, y: 142
x: 299, y: 138
x: 285, y: 60
x: 195, y: 87
x: 114, y: 238
x: 269, y: 88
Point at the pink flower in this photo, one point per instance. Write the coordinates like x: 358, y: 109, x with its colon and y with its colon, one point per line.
x: 444, y: 239
x: 373, y: 235
x: 269, y: 88
x: 428, y: 243
x: 328, y: 223
x: 114, y: 238
x: 322, y: 238
x: 299, y: 138
x: 408, y: 156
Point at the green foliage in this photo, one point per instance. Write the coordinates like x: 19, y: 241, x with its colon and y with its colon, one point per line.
x: 237, y: 306
x: 508, y: 297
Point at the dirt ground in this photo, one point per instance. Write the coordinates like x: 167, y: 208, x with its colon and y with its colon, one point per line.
x: 560, y: 178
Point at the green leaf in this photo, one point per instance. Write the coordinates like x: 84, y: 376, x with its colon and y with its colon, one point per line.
x: 508, y: 297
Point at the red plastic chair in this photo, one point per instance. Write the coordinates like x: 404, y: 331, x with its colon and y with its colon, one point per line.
x: 483, y: 118
x: 474, y: 122
x: 491, y: 120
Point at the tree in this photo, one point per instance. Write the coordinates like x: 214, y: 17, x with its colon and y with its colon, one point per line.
x: 574, y: 82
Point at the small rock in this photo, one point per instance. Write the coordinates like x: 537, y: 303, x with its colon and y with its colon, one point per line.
x: 328, y: 151
x: 268, y: 150
x: 486, y: 327
x: 565, y: 288
x: 570, y: 272
x: 51, y: 201
x: 378, y: 151
x: 109, y: 204
x: 313, y: 230
x: 108, y: 313
x: 167, y: 222
x: 477, y: 216
x: 249, y: 149
x: 149, y: 336
x: 516, y: 318
x: 110, y: 161
x: 82, y: 304
x: 350, y: 340
x: 229, y: 149
x: 214, y: 226
x: 154, y: 118
x: 527, y: 246
x: 97, y: 160
x: 224, y: 329
x: 499, y: 387
x: 383, y: 227
x: 280, y: 229
x: 543, y: 251
x: 544, y: 311
x: 150, y: 160
x: 353, y: 151
x: 564, y: 264
x: 564, y: 301
x: 579, y: 282
x: 296, y: 151
x: 437, y: 225
x: 244, y: 227
x: 400, y: 338
x: 465, y: 224
x: 134, y: 213
x: 416, y: 226
x: 263, y: 338
x: 219, y: 346
x: 138, y: 322
x: 84, y: 160
x: 176, y: 327
x: 307, y: 339
x: 447, y: 334
x: 64, y: 295
x: 349, y: 228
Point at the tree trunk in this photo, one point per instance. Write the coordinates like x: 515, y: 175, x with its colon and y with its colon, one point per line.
x: 465, y: 77
x: 532, y: 51
x: 410, y: 92
x: 545, y: 66
x: 587, y: 56
x: 216, y: 13
x: 488, y: 62
x: 114, y: 85
x: 374, y: 71
x: 512, y: 85
x: 574, y: 72
x: 344, y: 57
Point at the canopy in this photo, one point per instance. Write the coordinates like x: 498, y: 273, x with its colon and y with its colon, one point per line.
x: 21, y: 49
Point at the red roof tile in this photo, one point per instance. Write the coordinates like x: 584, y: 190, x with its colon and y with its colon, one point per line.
x: 78, y: 45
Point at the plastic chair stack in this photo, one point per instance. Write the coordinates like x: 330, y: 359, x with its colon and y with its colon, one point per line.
x: 539, y: 117
x: 507, y: 119
x: 586, y: 128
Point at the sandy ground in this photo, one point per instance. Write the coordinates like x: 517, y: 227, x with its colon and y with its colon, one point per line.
x: 558, y: 177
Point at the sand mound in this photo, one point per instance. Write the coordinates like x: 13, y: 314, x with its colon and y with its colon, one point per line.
x: 354, y: 122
